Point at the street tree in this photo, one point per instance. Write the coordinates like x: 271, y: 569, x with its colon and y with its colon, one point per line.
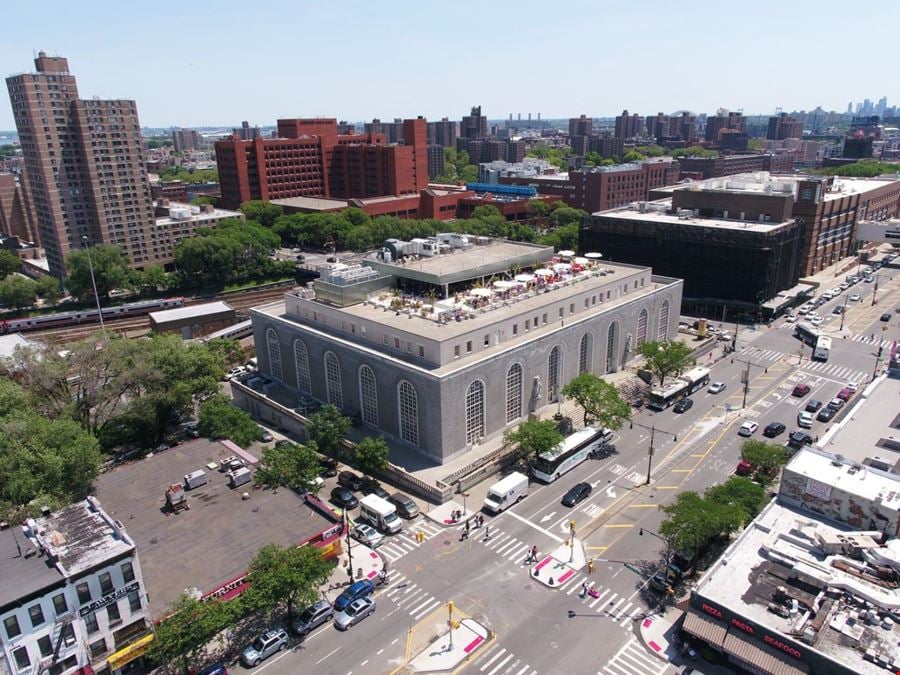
x: 190, y: 624
x: 218, y: 418
x: 48, y: 288
x: 326, y: 428
x: 766, y: 458
x: 371, y: 455
x: 692, y: 523
x: 600, y: 400
x: 110, y: 271
x: 9, y: 263
x: 566, y: 216
x: 289, y: 576
x: 538, y: 208
x: 229, y: 350
x: 292, y: 466
x: 534, y: 436
x: 664, y: 358
x: 741, y: 491
x: 263, y: 212
x: 17, y: 292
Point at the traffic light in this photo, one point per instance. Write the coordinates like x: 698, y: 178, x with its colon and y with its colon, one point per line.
x: 590, y: 566
x: 641, y: 532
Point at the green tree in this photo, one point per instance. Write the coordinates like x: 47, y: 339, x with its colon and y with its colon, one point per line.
x: 766, y: 458
x: 17, y: 292
x: 190, y: 624
x: 289, y: 576
x: 9, y: 263
x: 110, y: 271
x: 48, y: 288
x: 563, y: 238
x: 230, y: 351
x: 741, y: 491
x: 326, y: 428
x: 600, y: 399
x: 292, y: 466
x: 692, y: 523
x: 233, y: 250
x: 203, y: 200
x: 566, y: 215
x: 189, y: 175
x: 538, y: 208
x: 371, y: 455
x: 633, y: 156
x: 694, y: 151
x: 664, y: 358
x: 156, y: 279
x: 534, y: 436
x: 218, y: 418
x: 263, y: 212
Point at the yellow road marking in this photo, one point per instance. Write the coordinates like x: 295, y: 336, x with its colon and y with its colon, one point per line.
x: 681, y: 470
x: 642, y: 506
x: 596, y: 548
x: 696, y: 456
x: 616, y: 525
x: 666, y: 487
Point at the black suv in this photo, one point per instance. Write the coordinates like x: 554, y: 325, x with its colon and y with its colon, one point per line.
x: 350, y: 480
x: 825, y: 414
x: 798, y: 439
x: 812, y: 405
x: 683, y: 405
x: 370, y: 486
x: 774, y: 429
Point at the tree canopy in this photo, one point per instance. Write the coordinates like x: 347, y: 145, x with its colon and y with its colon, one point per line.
x: 9, y: 263
x: 232, y: 250
x: 188, y: 627
x: 600, y: 399
x: 534, y: 436
x: 326, y: 428
x: 110, y: 271
x: 218, y: 418
x: 292, y: 466
x: 666, y: 358
x: 189, y: 175
x: 290, y: 576
x: 457, y: 168
x: 741, y: 491
x: 371, y: 455
x: 693, y: 522
x: 263, y: 212
x: 766, y: 458
x: 17, y: 292
x: 694, y: 151
x: 864, y: 168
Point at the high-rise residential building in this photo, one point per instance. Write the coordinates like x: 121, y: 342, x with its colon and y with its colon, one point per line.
x: 443, y: 133
x: 84, y: 165
x: 246, y: 132
x: 435, y: 161
x: 392, y: 130
x: 628, y: 126
x: 185, y: 140
x: 723, y: 119
x: 657, y: 125
x: 309, y: 159
x: 580, y: 126
x: 474, y: 125
x: 784, y: 126
x: 16, y: 218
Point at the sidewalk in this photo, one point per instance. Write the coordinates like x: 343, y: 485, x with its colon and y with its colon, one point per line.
x: 560, y: 565
x: 443, y: 515
x: 449, y: 650
x: 366, y: 565
x: 659, y: 635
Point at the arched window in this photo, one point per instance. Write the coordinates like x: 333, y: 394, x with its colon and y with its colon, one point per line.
x: 662, y: 332
x: 475, y: 411
x: 612, y: 339
x: 553, y: 367
x: 274, y: 347
x: 368, y: 396
x: 333, y: 391
x: 584, y: 353
x: 301, y: 360
x: 408, y: 407
x: 642, y: 327
x: 513, y: 392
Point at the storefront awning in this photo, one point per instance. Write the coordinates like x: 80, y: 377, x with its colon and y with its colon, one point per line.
x: 130, y: 652
x: 704, y: 628
x: 762, y: 656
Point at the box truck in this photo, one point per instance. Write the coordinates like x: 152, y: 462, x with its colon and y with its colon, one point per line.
x: 380, y: 513
x: 506, y: 492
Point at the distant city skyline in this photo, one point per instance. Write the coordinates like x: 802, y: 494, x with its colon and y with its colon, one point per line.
x: 213, y: 64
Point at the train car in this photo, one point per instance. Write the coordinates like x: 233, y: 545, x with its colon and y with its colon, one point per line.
x: 78, y: 317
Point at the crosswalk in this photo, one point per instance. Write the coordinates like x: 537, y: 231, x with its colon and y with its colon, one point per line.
x: 872, y: 339
x: 411, y: 597
x: 395, y: 547
x: 503, y: 544
x: 762, y: 356
x: 633, y: 659
x: 503, y: 662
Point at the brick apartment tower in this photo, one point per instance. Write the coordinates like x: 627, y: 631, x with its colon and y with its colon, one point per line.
x: 84, y: 163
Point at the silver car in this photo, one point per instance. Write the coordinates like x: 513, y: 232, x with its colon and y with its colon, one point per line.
x: 264, y: 646
x: 353, y: 613
x: 368, y: 535
x: 313, y: 617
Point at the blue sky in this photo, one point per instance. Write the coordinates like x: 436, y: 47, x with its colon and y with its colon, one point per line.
x: 218, y: 62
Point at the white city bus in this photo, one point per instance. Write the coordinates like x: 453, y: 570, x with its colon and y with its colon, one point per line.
x: 570, y: 453
x: 679, y: 388
x: 823, y: 347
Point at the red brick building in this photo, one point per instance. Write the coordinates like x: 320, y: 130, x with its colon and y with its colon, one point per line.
x: 729, y: 165
x: 310, y: 159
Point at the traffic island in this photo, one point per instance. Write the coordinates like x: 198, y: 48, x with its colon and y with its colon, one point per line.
x: 447, y: 652
x: 560, y: 566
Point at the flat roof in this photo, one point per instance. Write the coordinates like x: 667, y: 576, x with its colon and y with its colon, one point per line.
x: 869, y: 430
x: 779, y: 558
x: 312, y: 203
x: 633, y: 213
x: 216, y: 538
x: 8, y: 344
x: 22, y: 571
x: 190, y: 312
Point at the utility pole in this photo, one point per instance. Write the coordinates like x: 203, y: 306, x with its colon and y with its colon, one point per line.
x: 875, y: 290
x: 652, y: 430
x: 843, y: 308
x: 745, y: 377
x: 349, y: 551
x: 85, y: 244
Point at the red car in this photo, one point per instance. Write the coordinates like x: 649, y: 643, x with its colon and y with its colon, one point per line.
x: 744, y: 468
x: 800, y: 390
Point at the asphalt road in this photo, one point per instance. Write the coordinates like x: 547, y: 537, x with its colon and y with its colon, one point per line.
x: 489, y: 580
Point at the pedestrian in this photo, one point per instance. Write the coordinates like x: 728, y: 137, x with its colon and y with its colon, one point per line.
x: 584, y: 589
x: 487, y: 532
x: 467, y: 528
x: 534, y: 554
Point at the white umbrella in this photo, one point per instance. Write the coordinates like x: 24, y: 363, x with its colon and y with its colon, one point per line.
x: 544, y: 273
x: 580, y: 261
x: 525, y: 278
x: 506, y: 285
x: 566, y: 254
x: 562, y: 267
x: 480, y: 292
x: 593, y: 255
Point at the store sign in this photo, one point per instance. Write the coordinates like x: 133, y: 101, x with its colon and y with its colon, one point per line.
x: 330, y: 532
x: 128, y: 654
x: 817, y: 489
x: 746, y: 627
x: 778, y: 644
x: 225, y: 589
x: 108, y: 599
x: 709, y: 609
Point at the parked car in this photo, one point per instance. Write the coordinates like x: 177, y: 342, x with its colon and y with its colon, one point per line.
x: 800, y: 390
x: 835, y: 404
x: 683, y: 405
x: 817, y: 320
x: 344, y: 498
x: 826, y: 414
x: 855, y: 297
x: 283, y: 443
x: 371, y: 486
x: 368, y: 535
x: 214, y: 669
x: 406, y: 507
x: 312, y: 617
x: 264, y: 646
x: 852, y: 386
x: 353, y: 613
x: 840, y: 309
x: 716, y: 387
x: 804, y: 419
x: 265, y: 436
x: 577, y: 493
x: 355, y: 591
x: 792, y: 318
x: 350, y: 480
x: 744, y: 468
x: 798, y: 439
x: 813, y: 404
x: 329, y: 468
x: 885, y: 317
x: 774, y: 429
x: 748, y: 428
x: 845, y: 394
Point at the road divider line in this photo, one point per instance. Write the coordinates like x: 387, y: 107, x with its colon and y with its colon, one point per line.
x: 536, y: 527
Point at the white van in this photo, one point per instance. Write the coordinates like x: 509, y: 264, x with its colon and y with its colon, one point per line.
x: 380, y: 513
x: 194, y: 479
x: 506, y: 492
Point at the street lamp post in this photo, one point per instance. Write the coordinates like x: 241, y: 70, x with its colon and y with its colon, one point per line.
x: 85, y: 244
x: 349, y: 550
x: 652, y: 430
x: 464, y: 495
x: 875, y: 290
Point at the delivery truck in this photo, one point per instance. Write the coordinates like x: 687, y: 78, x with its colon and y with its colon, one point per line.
x: 506, y: 492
